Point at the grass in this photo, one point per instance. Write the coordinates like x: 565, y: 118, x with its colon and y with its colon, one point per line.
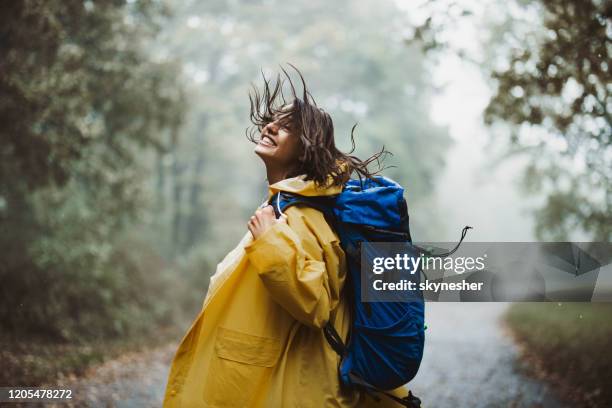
x: 31, y: 362
x: 568, y: 345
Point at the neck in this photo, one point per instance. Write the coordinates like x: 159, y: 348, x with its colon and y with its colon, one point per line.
x: 275, y: 175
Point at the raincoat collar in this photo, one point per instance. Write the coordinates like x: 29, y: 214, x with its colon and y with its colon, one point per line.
x: 309, y: 188
x: 299, y: 185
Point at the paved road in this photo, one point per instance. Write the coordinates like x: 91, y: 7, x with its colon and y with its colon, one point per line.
x: 468, y: 362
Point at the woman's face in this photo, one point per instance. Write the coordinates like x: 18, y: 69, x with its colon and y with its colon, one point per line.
x: 278, y: 146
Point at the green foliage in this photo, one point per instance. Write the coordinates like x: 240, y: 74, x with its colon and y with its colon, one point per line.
x: 549, y: 63
x: 562, y: 86
x: 81, y: 101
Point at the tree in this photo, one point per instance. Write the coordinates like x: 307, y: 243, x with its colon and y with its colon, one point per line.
x: 553, y: 91
x: 562, y: 86
x: 81, y: 104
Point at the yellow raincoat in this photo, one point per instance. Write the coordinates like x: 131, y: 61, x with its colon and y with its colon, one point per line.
x: 258, y: 342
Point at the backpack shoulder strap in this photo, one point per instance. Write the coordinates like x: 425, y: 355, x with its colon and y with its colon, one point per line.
x: 283, y: 200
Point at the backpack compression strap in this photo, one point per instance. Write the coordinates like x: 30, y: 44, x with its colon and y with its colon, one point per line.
x: 445, y: 254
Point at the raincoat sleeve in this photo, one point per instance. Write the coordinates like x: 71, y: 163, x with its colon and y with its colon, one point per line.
x: 301, y: 264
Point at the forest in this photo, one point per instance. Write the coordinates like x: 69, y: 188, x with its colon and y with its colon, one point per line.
x: 126, y: 176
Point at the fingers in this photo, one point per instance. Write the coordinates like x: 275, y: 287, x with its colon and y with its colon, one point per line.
x: 264, y: 214
x: 253, y: 225
x: 263, y: 219
x: 267, y: 215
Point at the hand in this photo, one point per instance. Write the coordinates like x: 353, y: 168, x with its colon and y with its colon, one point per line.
x: 262, y: 220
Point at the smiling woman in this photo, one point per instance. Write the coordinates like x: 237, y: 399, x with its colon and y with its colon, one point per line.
x: 261, y: 343
x: 298, y: 137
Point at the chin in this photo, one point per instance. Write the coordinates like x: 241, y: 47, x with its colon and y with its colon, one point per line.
x: 263, y: 151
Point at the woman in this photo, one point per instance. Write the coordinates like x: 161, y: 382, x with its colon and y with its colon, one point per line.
x: 258, y: 340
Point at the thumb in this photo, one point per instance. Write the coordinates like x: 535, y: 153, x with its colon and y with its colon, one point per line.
x: 282, y: 218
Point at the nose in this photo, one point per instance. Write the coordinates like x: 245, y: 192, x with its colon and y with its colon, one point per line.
x: 270, y: 128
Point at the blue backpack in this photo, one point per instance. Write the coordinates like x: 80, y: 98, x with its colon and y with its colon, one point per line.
x: 386, y: 339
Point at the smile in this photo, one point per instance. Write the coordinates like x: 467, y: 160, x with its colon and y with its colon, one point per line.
x: 267, y: 141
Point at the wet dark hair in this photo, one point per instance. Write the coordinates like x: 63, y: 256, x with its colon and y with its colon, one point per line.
x: 319, y: 157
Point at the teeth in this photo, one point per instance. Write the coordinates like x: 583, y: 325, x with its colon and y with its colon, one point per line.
x: 268, y: 140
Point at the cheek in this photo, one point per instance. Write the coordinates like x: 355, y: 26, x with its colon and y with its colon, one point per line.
x: 289, y: 146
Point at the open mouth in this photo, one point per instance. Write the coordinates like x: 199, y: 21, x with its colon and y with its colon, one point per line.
x: 267, y: 141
